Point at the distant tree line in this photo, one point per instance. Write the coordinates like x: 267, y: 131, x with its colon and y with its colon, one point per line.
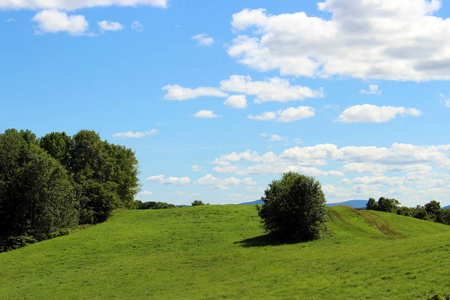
x: 53, y: 183
x: 431, y: 211
x: 152, y: 205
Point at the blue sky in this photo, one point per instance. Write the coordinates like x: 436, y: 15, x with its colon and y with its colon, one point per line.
x: 219, y: 98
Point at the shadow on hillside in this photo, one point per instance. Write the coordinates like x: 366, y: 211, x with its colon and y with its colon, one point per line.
x: 259, y: 241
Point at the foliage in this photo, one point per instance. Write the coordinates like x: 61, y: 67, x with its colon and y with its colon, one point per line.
x: 431, y: 211
x: 294, y: 208
x: 152, y: 205
x: 51, y: 184
x: 37, y: 198
x: 215, y: 252
x: 383, y: 204
x: 197, y: 203
x: 439, y: 296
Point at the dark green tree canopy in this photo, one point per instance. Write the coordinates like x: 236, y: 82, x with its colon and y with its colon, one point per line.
x: 36, y: 196
x: 294, y: 208
x: 55, y: 182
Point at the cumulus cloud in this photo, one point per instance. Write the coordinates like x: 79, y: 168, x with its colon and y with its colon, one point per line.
x: 236, y: 101
x: 206, y: 114
x: 109, y: 26
x: 176, y: 92
x: 203, y: 39
x: 373, y: 113
x: 273, y: 89
x: 136, y: 135
x: 73, y: 5
x: 312, y: 159
x: 373, y: 90
x: 394, y: 40
x: 223, y: 184
x: 137, y: 26
x: 288, y: 115
x: 52, y: 21
x: 170, y: 180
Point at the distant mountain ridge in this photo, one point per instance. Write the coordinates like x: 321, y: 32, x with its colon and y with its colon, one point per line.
x: 446, y: 207
x: 351, y: 203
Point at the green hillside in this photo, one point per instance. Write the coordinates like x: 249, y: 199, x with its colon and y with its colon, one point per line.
x: 212, y: 252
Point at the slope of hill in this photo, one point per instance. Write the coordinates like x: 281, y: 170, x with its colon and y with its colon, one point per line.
x: 446, y: 207
x: 222, y: 252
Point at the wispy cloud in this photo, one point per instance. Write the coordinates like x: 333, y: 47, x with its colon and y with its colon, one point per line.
x: 136, y: 135
x: 203, y: 39
x: 176, y: 92
x: 288, y: 115
x: 373, y: 90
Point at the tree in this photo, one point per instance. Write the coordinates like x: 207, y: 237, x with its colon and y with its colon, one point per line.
x: 36, y: 196
x: 294, y: 208
x: 433, y: 209
x: 197, y: 203
x: 383, y: 204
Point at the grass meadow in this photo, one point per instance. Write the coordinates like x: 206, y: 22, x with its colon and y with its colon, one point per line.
x: 216, y: 252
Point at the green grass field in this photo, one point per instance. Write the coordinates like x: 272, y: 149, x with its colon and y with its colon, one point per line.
x: 214, y: 252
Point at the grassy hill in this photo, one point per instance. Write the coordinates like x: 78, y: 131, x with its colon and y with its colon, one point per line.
x: 212, y: 252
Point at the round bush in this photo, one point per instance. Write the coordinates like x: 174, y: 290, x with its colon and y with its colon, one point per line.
x: 294, y: 208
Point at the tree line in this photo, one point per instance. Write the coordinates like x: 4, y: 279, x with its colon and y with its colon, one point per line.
x: 53, y: 183
x: 431, y: 211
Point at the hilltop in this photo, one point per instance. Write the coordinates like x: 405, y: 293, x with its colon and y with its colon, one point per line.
x: 222, y: 252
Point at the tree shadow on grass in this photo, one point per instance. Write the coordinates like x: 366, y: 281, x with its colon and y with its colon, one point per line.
x: 260, y: 241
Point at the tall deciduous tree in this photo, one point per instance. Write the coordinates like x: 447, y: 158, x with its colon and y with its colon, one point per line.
x: 36, y: 196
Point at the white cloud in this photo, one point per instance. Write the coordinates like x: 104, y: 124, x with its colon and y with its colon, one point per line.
x: 223, y: 184
x: 288, y: 115
x: 236, y: 101
x: 178, y: 194
x: 373, y: 113
x: 52, y: 21
x: 10, y: 20
x: 445, y: 100
x: 207, y: 114
x: 176, y: 92
x: 146, y: 193
x: 73, y: 5
x: 293, y: 114
x: 110, y: 26
x: 137, y: 26
x: 373, y: 90
x: 197, y: 168
x: 273, y: 137
x: 273, y: 89
x: 203, y: 39
x: 394, y: 40
x: 265, y: 116
x: 316, y: 160
x: 170, y: 180
x: 131, y: 134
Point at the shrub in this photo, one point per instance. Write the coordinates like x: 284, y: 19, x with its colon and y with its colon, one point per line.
x: 294, y: 208
x: 197, y: 203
